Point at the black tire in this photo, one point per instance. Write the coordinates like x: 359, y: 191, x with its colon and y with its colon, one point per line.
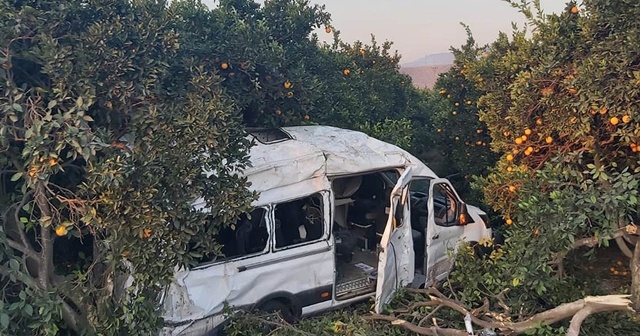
x: 275, y: 306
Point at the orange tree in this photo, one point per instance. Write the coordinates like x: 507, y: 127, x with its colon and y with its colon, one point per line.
x: 95, y: 99
x: 561, y: 107
x: 288, y: 77
x: 361, y: 88
x: 462, y: 138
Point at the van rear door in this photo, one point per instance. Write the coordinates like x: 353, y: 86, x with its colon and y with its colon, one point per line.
x: 396, y: 259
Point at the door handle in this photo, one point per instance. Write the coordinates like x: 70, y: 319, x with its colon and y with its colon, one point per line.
x: 435, y: 237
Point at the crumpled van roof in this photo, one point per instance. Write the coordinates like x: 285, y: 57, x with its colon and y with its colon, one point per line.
x: 290, y: 155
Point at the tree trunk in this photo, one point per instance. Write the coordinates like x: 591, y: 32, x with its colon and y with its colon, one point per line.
x: 635, y: 278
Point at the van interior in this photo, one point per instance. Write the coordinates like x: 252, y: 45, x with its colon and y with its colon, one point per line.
x: 361, y: 210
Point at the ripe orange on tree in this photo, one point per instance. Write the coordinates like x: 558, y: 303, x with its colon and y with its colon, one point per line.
x: 61, y: 230
x: 614, y: 121
x: 146, y: 233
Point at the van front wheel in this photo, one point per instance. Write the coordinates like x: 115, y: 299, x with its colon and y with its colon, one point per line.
x: 275, y: 306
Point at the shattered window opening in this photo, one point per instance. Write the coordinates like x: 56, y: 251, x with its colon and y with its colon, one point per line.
x: 269, y: 135
x: 247, y: 236
x: 299, y: 221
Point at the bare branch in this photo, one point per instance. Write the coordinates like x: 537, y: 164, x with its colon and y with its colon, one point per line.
x: 586, y: 242
x: 25, y: 250
x: 424, y: 319
x: 434, y: 331
x: 578, y: 310
x: 598, y: 304
x: 46, y: 240
x: 16, y: 217
x: 72, y: 318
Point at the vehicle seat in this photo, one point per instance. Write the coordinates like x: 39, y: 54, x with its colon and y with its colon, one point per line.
x: 242, y: 235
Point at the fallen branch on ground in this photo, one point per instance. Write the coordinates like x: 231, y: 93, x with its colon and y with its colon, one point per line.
x: 578, y: 311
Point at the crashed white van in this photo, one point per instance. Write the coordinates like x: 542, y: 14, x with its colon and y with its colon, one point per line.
x: 341, y: 217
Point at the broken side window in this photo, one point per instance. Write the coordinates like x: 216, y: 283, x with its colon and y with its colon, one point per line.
x: 299, y: 221
x: 248, y: 235
x: 445, y: 205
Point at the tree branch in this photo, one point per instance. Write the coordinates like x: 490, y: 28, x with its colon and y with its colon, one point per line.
x: 433, y: 331
x: 16, y: 217
x: 46, y: 241
x: 579, y: 310
x: 28, y: 281
x: 585, y: 242
x: 72, y: 318
x: 25, y: 250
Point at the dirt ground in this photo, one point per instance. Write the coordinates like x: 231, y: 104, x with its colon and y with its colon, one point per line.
x: 605, y: 271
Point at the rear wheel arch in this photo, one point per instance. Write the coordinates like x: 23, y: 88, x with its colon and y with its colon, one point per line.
x: 285, y: 298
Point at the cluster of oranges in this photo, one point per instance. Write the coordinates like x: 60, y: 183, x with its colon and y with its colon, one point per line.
x: 288, y: 85
x: 523, y: 139
x: 34, y: 169
x: 614, y: 120
x: 618, y: 269
x: 477, y: 143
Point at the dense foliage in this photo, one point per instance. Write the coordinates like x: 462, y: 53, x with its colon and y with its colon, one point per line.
x: 117, y: 115
x: 96, y: 98
x: 560, y: 105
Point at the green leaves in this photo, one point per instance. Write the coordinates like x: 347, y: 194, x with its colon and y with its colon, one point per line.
x: 568, y: 166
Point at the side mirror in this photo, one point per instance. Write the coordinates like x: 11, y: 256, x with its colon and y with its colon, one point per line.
x: 463, y: 216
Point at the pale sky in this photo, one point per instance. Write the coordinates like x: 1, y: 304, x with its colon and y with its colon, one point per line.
x: 421, y: 27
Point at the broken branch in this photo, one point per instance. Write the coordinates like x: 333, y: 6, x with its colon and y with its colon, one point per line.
x: 434, y: 331
x: 578, y: 311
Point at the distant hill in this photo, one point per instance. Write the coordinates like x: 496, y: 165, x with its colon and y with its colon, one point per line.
x: 425, y: 76
x: 431, y: 60
x: 425, y: 71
